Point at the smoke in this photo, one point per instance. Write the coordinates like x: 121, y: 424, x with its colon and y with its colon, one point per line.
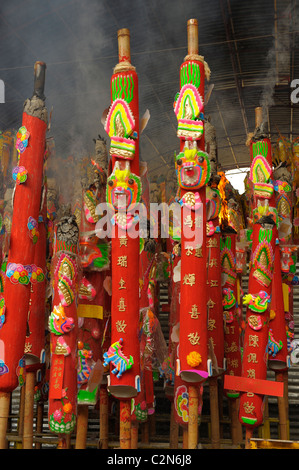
x: 277, y: 59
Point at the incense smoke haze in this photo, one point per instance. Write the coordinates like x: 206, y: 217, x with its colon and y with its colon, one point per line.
x: 78, y: 42
x: 278, y: 57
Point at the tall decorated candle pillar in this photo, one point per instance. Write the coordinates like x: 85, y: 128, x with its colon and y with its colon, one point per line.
x: 94, y: 258
x: 214, y: 303
x: 231, y: 317
x: 63, y: 327
x: 123, y: 196
x: 193, y: 172
x: 253, y: 384
x: 21, y: 270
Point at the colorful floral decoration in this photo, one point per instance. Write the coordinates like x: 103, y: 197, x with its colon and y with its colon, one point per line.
x: 255, y: 322
x: 17, y: 273
x: 188, y: 107
x: 181, y: 402
x: 67, y: 276
x: 2, y: 310
x: 262, y: 258
x: 3, y: 368
x: 140, y: 410
x: 32, y: 227
x: 120, y: 126
x: 22, y: 139
x: 63, y: 420
x: 90, y: 205
x: 21, y: 371
x: 19, y: 174
x: 115, y: 356
x: 59, y: 323
x: 194, y: 359
x: 61, y: 347
x: 86, y: 290
x: 228, y: 261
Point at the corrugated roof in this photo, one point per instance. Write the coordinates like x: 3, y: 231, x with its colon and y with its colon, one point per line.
x: 246, y: 44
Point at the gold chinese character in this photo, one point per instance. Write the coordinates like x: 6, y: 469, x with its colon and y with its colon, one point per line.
x: 198, y: 252
x: 122, y: 284
x: 122, y: 261
x: 212, y: 243
x: 251, y: 373
x: 189, y: 279
x: 253, y: 341
x: 120, y: 326
x: 194, y: 312
x: 189, y: 250
x: 123, y: 241
x: 198, y: 221
x: 211, y: 324
x: 235, y: 363
x: 213, y: 262
x: 249, y: 408
x: 234, y: 347
x: 211, y: 303
x: 194, y: 338
x: 122, y: 307
x: 214, y: 283
x: 188, y: 221
x: 252, y: 358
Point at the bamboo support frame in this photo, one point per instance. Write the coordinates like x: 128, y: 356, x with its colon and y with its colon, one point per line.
x: 82, y: 426
x: 214, y: 413
x: 104, y: 423
x: 28, y: 411
x: 193, y: 417
x: 4, y: 414
x: 125, y: 424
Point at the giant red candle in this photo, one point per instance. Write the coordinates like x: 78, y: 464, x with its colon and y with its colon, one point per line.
x: 22, y: 272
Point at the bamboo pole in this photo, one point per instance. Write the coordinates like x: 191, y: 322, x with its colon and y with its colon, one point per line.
x: 82, y: 425
x: 174, y: 429
x: 282, y: 410
x: 39, y: 422
x: 185, y: 438
x: 28, y: 411
x: 236, y: 427
x: 104, y: 423
x: 248, y: 437
x: 134, y: 434
x: 193, y: 417
x: 214, y: 413
x: 21, y: 412
x: 4, y: 414
x: 125, y: 424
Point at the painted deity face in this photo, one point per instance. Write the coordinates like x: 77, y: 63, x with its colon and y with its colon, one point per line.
x: 193, y: 168
x: 123, y: 188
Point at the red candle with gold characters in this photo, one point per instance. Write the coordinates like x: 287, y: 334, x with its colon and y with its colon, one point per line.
x: 123, y: 196
x: 214, y: 303
x: 264, y: 238
x: 193, y: 172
